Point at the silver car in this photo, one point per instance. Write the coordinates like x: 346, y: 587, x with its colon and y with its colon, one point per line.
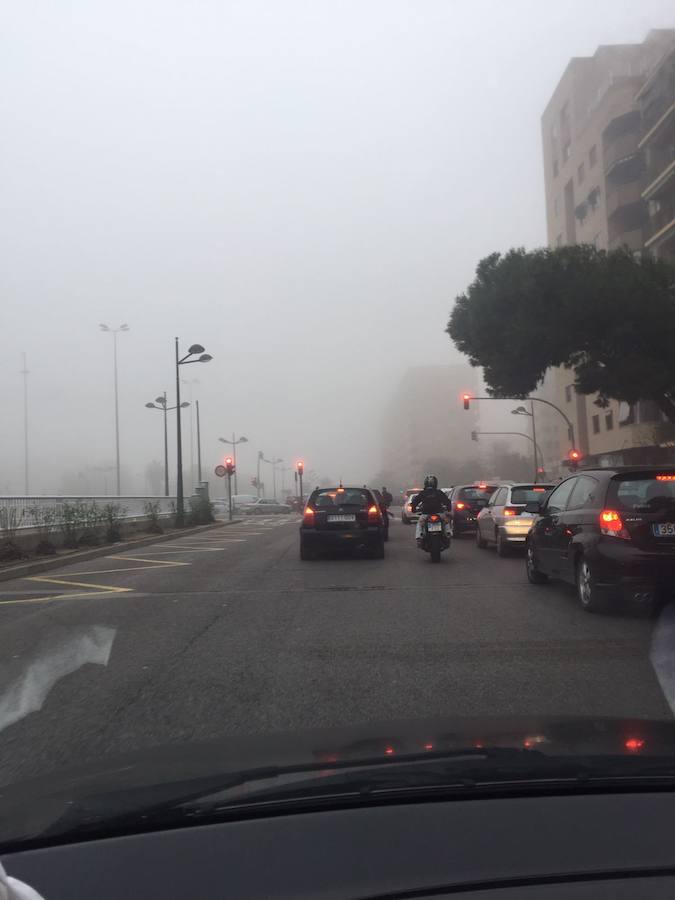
x: 509, y: 514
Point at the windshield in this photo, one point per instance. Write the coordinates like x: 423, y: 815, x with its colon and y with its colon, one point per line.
x: 267, y: 268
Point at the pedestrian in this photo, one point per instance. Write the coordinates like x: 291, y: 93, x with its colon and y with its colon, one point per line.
x: 386, y: 497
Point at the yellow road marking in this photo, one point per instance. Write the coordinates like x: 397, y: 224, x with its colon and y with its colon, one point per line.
x: 84, y: 584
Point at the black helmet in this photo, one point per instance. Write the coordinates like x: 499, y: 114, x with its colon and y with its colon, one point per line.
x: 430, y: 481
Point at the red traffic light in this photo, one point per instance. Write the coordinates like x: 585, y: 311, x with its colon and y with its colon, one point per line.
x: 229, y: 465
x: 466, y: 398
x: 575, y: 455
x: 300, y: 466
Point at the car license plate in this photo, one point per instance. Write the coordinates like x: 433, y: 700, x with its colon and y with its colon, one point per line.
x: 344, y: 518
x: 434, y: 526
x: 665, y: 529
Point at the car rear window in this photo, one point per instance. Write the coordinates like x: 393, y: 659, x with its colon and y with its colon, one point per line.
x: 475, y: 493
x: 346, y: 497
x: 530, y: 493
x: 641, y: 490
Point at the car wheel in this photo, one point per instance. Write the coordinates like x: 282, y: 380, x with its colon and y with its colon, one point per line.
x: 503, y: 548
x: 534, y: 576
x: 306, y: 554
x: 591, y: 598
x: 481, y: 543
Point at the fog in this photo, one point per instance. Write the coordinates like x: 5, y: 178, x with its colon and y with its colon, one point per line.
x: 301, y: 187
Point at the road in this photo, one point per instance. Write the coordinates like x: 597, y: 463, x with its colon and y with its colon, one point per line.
x: 228, y: 632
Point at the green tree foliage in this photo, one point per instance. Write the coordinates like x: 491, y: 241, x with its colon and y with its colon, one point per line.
x: 606, y: 315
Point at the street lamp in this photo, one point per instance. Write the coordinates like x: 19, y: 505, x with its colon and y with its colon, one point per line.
x: 160, y: 403
x: 274, y: 463
x: 25, y: 374
x: 195, y: 350
x: 522, y: 411
x: 233, y: 443
x: 115, y: 332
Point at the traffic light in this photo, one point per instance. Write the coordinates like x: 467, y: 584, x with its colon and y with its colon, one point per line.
x: 574, y: 457
x: 466, y: 398
x: 474, y: 435
x: 300, y: 466
x: 229, y: 465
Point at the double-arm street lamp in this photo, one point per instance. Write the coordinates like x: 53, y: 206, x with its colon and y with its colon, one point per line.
x: 115, y: 332
x: 195, y: 350
x: 233, y: 443
x: 160, y: 403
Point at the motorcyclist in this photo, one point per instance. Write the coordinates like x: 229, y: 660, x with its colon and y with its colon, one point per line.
x: 430, y: 500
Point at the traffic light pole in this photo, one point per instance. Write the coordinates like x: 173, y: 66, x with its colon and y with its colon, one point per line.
x: 229, y: 494
x: 301, y: 493
x: 467, y: 398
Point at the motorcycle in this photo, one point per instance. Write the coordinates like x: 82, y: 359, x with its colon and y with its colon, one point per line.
x: 435, y: 536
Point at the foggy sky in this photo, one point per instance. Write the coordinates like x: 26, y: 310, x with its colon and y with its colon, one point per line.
x: 302, y: 187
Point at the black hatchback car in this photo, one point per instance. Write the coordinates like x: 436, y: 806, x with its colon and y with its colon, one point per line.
x: 342, y: 518
x: 610, y: 532
x: 466, y: 501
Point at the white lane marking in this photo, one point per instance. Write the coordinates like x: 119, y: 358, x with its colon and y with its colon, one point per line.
x: 662, y: 653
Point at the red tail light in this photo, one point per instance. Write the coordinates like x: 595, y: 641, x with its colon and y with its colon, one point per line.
x: 460, y: 505
x: 611, y: 524
x: 634, y: 745
x: 434, y: 518
x: 374, y: 515
x: 510, y: 511
x: 308, y: 516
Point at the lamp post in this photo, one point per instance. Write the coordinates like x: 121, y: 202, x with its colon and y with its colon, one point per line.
x: 25, y: 374
x: 467, y: 398
x: 160, y: 403
x: 115, y: 332
x: 197, y: 351
x: 521, y: 411
x: 233, y: 443
x: 274, y: 463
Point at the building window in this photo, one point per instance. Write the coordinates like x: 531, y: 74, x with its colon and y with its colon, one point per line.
x: 596, y: 424
x: 592, y: 156
x: 568, y: 393
x: 626, y: 413
x: 581, y: 173
x: 609, y: 421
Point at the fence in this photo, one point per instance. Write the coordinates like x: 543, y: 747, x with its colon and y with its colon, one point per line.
x: 134, y: 507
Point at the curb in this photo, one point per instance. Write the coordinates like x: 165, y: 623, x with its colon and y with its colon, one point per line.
x: 46, y: 565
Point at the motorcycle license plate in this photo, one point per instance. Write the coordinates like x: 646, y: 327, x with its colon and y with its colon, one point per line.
x: 345, y: 518
x: 665, y: 529
x: 434, y: 526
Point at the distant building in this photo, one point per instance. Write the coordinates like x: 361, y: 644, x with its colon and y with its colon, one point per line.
x: 608, y: 136
x: 426, y: 420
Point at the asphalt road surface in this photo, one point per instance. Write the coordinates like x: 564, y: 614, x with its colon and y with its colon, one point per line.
x: 228, y: 632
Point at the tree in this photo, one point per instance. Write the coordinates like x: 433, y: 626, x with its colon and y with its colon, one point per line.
x: 607, y: 316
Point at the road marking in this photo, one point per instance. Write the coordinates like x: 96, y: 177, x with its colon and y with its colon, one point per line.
x: 98, y: 589
x: 662, y: 653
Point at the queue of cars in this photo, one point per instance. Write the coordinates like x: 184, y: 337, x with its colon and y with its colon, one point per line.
x: 610, y: 532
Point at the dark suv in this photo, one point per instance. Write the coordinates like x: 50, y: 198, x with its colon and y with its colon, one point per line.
x: 342, y: 517
x: 611, y: 532
x: 466, y: 501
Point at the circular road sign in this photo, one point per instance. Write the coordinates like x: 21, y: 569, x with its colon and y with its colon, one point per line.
x: 221, y: 471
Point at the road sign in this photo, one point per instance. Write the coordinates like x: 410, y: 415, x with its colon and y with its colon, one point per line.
x: 221, y: 471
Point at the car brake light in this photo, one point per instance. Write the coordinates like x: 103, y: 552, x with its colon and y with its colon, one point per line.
x: 665, y: 477
x: 482, y: 486
x: 308, y: 516
x: 634, y: 745
x: 611, y: 524
x: 434, y: 518
x: 460, y: 505
x: 374, y: 515
x: 510, y: 511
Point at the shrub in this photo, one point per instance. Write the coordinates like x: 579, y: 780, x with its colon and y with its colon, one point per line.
x: 10, y: 520
x: 44, y: 520
x: 152, y: 511
x: 201, y: 511
x: 113, y: 516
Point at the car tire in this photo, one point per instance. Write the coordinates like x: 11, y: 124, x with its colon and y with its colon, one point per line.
x: 503, y: 548
x: 590, y: 597
x: 534, y: 575
x: 481, y: 543
x: 306, y: 554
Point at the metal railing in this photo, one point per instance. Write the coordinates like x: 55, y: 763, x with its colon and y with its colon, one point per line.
x: 134, y: 507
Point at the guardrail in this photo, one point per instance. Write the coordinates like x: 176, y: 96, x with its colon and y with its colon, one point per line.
x: 133, y: 506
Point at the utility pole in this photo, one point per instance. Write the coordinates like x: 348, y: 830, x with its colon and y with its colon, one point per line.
x: 199, y: 447
x: 534, y: 443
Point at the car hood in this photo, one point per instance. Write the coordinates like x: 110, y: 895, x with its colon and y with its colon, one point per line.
x: 33, y: 807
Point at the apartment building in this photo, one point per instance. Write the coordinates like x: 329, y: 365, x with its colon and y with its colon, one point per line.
x: 608, y: 143
x: 426, y: 420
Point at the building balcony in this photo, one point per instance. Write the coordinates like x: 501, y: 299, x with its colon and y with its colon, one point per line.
x: 627, y: 217
x: 664, y: 122
x: 622, y: 159
x: 619, y: 196
x: 633, y: 240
